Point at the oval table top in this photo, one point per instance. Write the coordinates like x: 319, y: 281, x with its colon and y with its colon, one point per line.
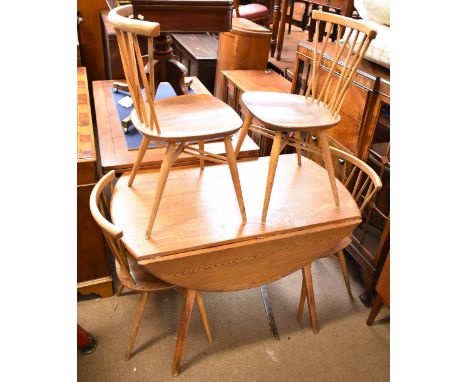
x: 199, y: 210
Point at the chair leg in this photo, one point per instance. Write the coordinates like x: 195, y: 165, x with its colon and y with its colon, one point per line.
x: 376, y: 306
x: 136, y: 323
x: 291, y: 15
x: 141, y: 153
x: 163, y: 174
x: 242, y: 133
x: 274, y: 156
x: 309, y: 289
x: 183, y: 329
x: 201, y: 309
x: 344, y: 271
x: 201, y: 147
x: 297, y: 135
x: 300, y: 309
x: 231, y: 158
x: 323, y: 138
x: 119, y: 291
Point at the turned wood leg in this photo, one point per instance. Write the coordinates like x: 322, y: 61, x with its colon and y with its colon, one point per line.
x: 323, y: 139
x: 376, y: 306
x: 309, y: 289
x: 119, y: 291
x: 243, y: 132
x: 297, y: 135
x: 274, y: 156
x: 141, y: 153
x: 231, y: 158
x: 344, y: 271
x: 300, y: 308
x: 201, y: 309
x: 163, y: 174
x: 183, y: 329
x: 136, y: 323
x: 201, y: 147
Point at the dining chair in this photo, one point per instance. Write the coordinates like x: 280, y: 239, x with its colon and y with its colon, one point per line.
x: 284, y: 117
x: 255, y: 11
x: 130, y: 274
x: 363, y: 183
x: 175, y: 121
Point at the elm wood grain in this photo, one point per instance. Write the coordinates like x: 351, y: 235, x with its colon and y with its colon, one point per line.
x: 130, y: 274
x: 114, y: 154
x: 245, y: 47
x: 319, y: 108
x: 203, y: 206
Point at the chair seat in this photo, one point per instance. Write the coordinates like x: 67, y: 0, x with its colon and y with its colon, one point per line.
x: 144, y: 281
x: 253, y: 11
x: 288, y: 112
x: 191, y: 117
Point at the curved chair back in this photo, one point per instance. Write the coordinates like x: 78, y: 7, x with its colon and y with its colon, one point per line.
x: 350, y: 46
x: 359, y: 178
x: 138, y: 75
x: 98, y: 203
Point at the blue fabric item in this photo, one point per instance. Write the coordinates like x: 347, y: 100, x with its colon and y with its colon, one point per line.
x: 133, y: 137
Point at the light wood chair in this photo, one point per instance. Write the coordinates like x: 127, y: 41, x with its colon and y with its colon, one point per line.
x: 284, y: 116
x: 363, y: 183
x: 130, y: 274
x: 256, y: 12
x: 181, y: 120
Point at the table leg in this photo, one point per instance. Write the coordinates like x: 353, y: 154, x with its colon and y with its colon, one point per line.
x: 275, y: 23
x: 269, y: 312
x: 282, y: 27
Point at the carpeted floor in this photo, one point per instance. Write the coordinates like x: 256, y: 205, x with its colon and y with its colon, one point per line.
x: 345, y: 349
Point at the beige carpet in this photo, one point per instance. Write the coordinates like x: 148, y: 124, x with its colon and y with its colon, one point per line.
x: 345, y: 349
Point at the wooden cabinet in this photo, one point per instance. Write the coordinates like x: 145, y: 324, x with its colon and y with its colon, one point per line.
x: 198, y: 52
x: 364, y: 130
x: 92, y: 269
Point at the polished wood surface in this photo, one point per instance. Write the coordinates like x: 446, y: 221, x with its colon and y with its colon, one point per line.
x: 93, y: 275
x: 114, y: 154
x: 383, y: 292
x: 244, y: 47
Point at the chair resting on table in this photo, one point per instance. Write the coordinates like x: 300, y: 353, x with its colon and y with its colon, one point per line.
x: 176, y: 121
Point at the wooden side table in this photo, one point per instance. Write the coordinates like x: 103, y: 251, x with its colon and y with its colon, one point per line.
x: 92, y: 268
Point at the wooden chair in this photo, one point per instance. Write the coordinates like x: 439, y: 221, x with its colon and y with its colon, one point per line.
x: 181, y: 120
x: 285, y: 116
x: 130, y: 274
x: 256, y: 12
x: 363, y: 183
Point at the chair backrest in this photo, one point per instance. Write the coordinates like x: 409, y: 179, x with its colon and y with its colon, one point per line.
x: 98, y: 202
x: 138, y: 75
x: 353, y: 39
x: 360, y: 179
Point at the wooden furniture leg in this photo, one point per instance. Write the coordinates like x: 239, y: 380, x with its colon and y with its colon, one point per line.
x: 274, y: 156
x: 201, y: 147
x: 309, y: 294
x: 119, y: 291
x: 243, y: 132
x: 300, y: 309
x: 163, y: 174
x: 136, y: 323
x: 201, y: 309
x: 282, y: 27
x: 141, y: 153
x: 376, y: 306
x: 183, y: 329
x: 297, y: 135
x: 231, y: 158
x: 344, y: 271
x: 323, y: 139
